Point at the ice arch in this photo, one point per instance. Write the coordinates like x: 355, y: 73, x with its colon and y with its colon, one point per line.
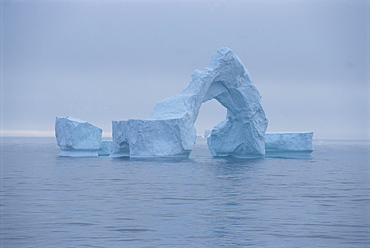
x: 170, y: 131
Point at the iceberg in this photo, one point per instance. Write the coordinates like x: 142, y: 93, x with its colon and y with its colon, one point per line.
x: 77, y: 138
x: 105, y: 148
x: 169, y: 131
x: 289, y: 144
x: 120, y: 143
x: 159, y: 138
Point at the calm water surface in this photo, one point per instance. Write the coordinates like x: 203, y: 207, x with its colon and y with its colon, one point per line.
x: 52, y: 201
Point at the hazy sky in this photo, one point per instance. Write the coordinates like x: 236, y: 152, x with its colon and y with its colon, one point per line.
x: 114, y: 60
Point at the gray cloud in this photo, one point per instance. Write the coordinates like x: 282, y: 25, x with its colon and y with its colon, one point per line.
x: 103, y: 61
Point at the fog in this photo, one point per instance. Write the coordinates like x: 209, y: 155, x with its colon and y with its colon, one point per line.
x: 113, y: 60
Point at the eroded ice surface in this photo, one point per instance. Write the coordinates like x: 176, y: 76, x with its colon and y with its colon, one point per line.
x: 77, y: 138
x: 105, y: 148
x: 120, y: 134
x: 289, y: 144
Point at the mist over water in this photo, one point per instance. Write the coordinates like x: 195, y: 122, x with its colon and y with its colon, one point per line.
x: 114, y: 60
x: 52, y: 201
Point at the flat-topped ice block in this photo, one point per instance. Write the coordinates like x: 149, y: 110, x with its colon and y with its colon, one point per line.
x: 149, y: 138
x: 77, y: 138
x: 289, y: 144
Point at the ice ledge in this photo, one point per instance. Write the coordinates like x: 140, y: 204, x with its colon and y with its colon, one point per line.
x: 288, y: 144
x: 78, y: 153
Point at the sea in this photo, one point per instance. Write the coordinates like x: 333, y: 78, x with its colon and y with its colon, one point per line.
x: 52, y: 201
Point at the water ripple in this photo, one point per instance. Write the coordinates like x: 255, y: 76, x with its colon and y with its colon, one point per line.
x: 49, y: 201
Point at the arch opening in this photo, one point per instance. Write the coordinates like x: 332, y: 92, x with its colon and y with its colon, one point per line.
x: 210, y: 114
x: 171, y: 127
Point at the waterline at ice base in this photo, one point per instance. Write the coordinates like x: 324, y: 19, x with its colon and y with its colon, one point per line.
x: 169, y: 131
